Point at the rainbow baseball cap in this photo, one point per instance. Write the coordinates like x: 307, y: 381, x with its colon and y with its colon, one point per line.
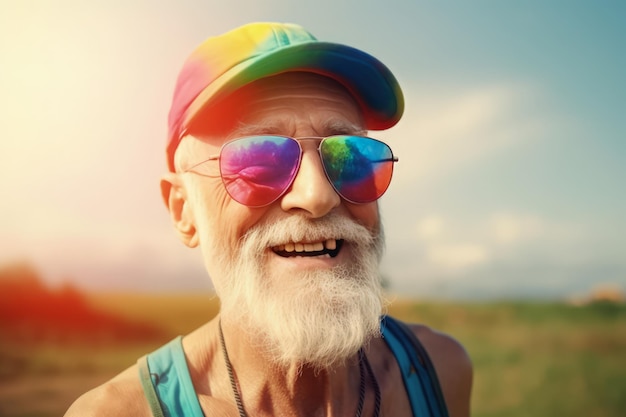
x: 225, y: 63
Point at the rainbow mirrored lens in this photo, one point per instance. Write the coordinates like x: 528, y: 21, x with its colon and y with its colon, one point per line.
x: 359, y: 168
x: 258, y: 170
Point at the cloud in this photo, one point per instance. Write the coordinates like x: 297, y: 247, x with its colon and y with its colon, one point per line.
x: 455, y: 245
x: 453, y: 248
x: 430, y: 227
x: 456, y: 257
x: 461, y: 237
x: 443, y: 130
x: 510, y: 228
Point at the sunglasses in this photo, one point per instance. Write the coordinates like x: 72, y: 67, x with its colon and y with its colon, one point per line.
x: 258, y: 170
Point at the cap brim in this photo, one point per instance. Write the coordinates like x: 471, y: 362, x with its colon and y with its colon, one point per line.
x: 371, y: 83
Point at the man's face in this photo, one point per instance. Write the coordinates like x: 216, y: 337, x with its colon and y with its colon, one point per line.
x: 254, y: 255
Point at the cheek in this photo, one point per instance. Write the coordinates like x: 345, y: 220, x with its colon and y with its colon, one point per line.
x: 233, y: 223
x: 221, y: 221
x: 365, y: 214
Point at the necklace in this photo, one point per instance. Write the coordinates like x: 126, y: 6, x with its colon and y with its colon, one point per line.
x: 363, y: 363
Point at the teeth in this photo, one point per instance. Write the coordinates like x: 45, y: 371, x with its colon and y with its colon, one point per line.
x: 330, y: 244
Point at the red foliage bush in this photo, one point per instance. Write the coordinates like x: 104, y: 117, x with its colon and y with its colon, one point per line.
x: 32, y: 312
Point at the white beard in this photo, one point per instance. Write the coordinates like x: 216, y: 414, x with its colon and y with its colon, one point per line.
x: 317, y: 317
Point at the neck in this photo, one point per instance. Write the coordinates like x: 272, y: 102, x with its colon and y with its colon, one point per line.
x: 295, y: 389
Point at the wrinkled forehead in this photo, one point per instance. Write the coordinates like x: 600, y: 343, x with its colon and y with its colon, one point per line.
x: 298, y: 94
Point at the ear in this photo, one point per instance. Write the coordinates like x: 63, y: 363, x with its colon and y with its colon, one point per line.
x: 175, y: 198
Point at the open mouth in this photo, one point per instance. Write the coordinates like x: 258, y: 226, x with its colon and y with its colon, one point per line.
x: 330, y: 247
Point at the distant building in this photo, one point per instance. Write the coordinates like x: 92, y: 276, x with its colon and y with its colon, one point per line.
x: 603, y: 292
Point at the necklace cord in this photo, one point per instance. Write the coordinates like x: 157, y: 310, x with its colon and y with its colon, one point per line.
x: 231, y: 374
x: 362, y: 361
x: 377, y: 399
x: 359, y: 410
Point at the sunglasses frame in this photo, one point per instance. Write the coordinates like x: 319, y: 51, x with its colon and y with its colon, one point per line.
x: 321, y: 140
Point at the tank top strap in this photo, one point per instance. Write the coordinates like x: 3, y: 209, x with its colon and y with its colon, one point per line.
x: 418, y: 373
x: 164, y: 372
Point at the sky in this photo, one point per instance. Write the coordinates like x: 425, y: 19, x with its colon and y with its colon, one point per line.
x: 512, y: 147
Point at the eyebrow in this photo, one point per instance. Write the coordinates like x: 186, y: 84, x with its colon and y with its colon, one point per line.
x: 248, y: 129
x: 342, y: 127
x: 331, y: 127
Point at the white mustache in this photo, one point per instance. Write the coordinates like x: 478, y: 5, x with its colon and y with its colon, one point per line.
x: 302, y: 229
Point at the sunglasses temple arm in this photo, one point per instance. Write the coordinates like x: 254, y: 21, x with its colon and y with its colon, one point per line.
x: 394, y: 159
x: 210, y: 158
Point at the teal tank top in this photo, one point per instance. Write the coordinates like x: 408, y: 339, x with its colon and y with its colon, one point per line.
x: 167, y: 384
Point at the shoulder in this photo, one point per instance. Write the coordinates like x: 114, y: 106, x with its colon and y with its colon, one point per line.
x: 121, y: 396
x: 453, y: 366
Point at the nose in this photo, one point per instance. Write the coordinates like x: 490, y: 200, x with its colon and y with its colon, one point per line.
x: 311, y: 192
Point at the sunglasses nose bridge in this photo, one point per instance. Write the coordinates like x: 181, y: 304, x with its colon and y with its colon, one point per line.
x: 320, y: 154
x: 310, y: 189
x: 318, y: 150
x: 320, y: 140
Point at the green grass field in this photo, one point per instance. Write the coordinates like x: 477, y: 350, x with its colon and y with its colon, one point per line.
x: 530, y: 358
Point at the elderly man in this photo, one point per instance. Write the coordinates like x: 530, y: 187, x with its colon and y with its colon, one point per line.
x: 274, y: 178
